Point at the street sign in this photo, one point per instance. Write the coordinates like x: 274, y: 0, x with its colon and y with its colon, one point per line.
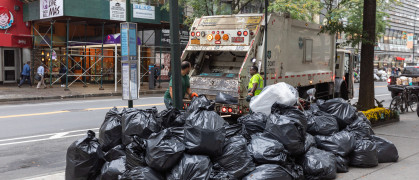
x: 129, y: 61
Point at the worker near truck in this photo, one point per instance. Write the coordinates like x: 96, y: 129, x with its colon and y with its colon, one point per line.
x: 186, y: 89
x: 255, y: 84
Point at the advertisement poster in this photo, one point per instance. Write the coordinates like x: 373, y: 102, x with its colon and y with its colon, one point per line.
x: 144, y: 11
x: 165, y: 61
x: 117, y: 11
x: 124, y: 40
x: 51, y: 8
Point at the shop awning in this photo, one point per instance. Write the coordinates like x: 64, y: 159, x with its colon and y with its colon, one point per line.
x: 19, y: 41
x: 400, y: 58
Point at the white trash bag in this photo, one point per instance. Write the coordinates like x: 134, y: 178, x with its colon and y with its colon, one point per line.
x: 280, y: 92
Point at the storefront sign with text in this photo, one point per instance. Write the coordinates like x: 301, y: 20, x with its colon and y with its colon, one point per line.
x: 51, y: 8
x: 144, y: 11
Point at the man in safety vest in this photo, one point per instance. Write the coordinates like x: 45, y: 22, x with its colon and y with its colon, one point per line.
x: 255, y: 84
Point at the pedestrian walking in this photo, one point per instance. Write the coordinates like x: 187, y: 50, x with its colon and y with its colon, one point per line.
x: 40, y: 72
x: 26, y: 74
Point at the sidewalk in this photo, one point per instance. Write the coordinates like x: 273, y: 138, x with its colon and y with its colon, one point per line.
x: 10, y: 92
x: 403, y: 134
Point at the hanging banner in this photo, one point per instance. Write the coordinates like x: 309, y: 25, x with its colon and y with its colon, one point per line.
x: 117, y: 11
x: 51, y: 8
x: 144, y: 11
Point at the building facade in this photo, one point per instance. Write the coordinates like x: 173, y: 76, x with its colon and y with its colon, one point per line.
x: 15, y: 40
x: 398, y: 47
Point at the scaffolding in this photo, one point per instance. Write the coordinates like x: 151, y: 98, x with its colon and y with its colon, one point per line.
x: 79, y: 59
x: 74, y: 60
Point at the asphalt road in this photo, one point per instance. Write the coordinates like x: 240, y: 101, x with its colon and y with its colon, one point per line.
x: 34, y: 137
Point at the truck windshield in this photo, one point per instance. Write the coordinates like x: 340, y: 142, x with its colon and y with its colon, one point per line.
x: 411, y: 71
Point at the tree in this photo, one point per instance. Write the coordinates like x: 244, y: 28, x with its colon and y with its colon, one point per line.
x: 298, y: 9
x: 212, y: 7
x: 366, y: 98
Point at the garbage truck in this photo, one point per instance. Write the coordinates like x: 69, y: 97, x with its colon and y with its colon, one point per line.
x: 222, y: 49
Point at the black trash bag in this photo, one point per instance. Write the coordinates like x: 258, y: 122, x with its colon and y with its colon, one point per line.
x: 387, y: 151
x: 164, y: 150
x: 342, y: 164
x: 218, y: 173
x: 111, y: 170
x: 265, y: 150
x: 268, y: 172
x: 294, y: 170
x: 233, y: 130
x: 344, y: 113
x: 135, y: 152
x: 200, y: 102
x: 84, y: 158
x: 253, y: 123
x: 319, y: 164
x: 110, y: 132
x: 364, y: 155
x: 290, y: 111
x: 236, y: 158
x: 115, y: 153
x: 360, y: 128
x: 341, y: 143
x: 310, y: 142
x: 169, y: 118
x: 224, y: 98
x: 141, y: 173
x: 288, y: 131
x: 321, y: 123
x: 139, y: 122
x: 191, y: 167
x: 205, y: 133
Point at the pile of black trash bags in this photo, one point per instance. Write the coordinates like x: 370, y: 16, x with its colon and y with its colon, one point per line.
x: 199, y: 144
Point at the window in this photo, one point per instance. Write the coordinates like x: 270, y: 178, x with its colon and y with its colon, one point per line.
x: 308, y: 50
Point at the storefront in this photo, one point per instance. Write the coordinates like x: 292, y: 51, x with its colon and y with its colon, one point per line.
x: 15, y: 41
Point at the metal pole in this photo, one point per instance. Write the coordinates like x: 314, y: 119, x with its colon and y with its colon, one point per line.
x: 50, y: 56
x: 161, y: 33
x: 175, y: 54
x: 130, y: 103
x: 84, y: 59
x: 101, y: 66
x: 33, y: 53
x: 66, y: 56
x: 266, y: 44
x: 116, y: 68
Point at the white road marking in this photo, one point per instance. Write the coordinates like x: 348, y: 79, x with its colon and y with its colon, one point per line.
x: 375, y: 96
x: 45, y: 135
x: 58, y: 135
x: 75, y: 101
x: 43, y: 139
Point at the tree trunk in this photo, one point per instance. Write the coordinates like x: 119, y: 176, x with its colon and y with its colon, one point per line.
x: 366, y: 87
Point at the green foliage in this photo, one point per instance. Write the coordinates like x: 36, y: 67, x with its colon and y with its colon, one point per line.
x: 298, y: 9
x: 347, y: 18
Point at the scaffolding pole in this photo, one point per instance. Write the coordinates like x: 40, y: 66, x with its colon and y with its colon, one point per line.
x: 50, y: 55
x: 66, y: 57
x: 101, y: 68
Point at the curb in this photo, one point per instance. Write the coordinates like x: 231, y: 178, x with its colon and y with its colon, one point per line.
x: 81, y: 96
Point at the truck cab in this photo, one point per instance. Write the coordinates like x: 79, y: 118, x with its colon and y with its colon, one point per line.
x: 344, y: 73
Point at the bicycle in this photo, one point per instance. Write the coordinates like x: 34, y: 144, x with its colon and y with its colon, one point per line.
x: 404, y: 100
